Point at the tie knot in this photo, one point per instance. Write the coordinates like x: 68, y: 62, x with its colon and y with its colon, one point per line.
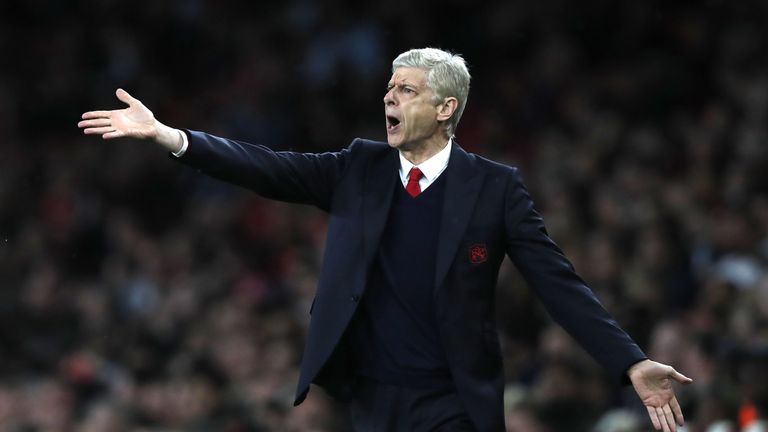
x: 413, y: 187
x: 415, y: 174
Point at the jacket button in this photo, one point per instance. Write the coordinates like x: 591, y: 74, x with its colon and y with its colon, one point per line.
x: 355, y: 298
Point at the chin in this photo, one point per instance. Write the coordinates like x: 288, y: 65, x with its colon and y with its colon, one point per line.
x: 394, y: 142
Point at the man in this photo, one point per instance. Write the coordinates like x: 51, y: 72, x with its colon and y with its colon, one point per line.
x: 402, y: 322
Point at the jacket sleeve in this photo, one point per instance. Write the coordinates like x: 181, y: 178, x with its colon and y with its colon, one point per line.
x: 564, y: 294
x: 305, y: 178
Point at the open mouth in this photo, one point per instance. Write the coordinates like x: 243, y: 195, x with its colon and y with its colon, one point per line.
x: 392, y: 123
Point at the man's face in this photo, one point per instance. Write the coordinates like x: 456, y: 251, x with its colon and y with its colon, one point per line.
x: 411, y: 116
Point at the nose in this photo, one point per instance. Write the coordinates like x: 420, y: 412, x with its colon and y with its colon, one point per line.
x: 389, y: 97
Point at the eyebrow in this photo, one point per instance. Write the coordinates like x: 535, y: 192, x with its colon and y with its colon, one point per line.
x: 404, y: 83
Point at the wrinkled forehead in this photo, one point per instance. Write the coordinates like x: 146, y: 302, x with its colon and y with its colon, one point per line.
x: 408, y: 75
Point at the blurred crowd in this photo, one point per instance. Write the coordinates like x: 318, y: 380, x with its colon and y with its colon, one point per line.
x: 138, y: 295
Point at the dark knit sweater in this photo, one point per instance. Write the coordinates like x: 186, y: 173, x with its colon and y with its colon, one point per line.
x: 395, y: 334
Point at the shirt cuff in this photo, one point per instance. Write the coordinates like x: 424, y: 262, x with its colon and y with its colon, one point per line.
x: 184, y: 145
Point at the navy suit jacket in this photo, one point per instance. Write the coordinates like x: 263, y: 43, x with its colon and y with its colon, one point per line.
x: 487, y: 214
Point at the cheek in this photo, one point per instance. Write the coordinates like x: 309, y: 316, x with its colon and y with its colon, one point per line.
x: 418, y: 117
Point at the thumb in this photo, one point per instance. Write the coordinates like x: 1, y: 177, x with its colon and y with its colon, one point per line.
x: 125, y: 97
x: 682, y: 379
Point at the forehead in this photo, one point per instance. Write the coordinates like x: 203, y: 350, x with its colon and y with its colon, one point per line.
x: 408, y: 75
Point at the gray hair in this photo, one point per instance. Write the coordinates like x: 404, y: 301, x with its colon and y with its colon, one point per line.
x: 447, y: 76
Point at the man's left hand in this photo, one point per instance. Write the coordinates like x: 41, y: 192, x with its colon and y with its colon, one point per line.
x: 653, y: 383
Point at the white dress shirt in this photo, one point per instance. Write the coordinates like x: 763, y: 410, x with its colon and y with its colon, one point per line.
x: 184, y: 144
x: 431, y: 168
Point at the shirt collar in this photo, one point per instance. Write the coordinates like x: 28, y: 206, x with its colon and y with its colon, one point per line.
x: 432, y: 167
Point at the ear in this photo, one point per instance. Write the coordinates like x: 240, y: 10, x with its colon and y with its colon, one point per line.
x: 446, y: 109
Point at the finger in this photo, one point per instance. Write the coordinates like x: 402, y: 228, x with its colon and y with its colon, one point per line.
x: 125, y: 97
x: 115, y: 134
x: 95, y: 122
x: 99, y: 130
x: 654, y: 418
x: 669, y: 417
x: 678, y: 412
x: 96, y: 114
x: 682, y: 379
x: 662, y: 420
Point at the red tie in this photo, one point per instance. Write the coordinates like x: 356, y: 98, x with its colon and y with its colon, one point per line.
x: 413, y: 187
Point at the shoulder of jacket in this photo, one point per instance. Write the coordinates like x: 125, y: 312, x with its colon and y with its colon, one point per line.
x: 366, y: 145
x: 493, y: 167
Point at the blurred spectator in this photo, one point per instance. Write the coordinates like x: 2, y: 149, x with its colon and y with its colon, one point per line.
x: 140, y: 296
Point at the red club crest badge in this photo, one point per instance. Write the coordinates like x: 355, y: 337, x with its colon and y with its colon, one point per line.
x: 478, y: 253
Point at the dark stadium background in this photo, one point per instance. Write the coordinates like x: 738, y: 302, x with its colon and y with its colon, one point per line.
x: 137, y: 295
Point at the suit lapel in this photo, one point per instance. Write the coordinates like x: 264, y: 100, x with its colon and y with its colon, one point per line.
x: 379, y: 185
x: 463, y: 182
x: 461, y: 190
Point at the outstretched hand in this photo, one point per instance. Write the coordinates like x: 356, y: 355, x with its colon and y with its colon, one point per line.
x: 653, y: 383
x: 136, y: 121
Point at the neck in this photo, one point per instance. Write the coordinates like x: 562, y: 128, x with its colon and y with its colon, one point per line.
x: 421, y: 152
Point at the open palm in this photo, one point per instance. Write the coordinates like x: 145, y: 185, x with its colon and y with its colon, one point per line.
x: 136, y: 121
x: 653, y: 384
